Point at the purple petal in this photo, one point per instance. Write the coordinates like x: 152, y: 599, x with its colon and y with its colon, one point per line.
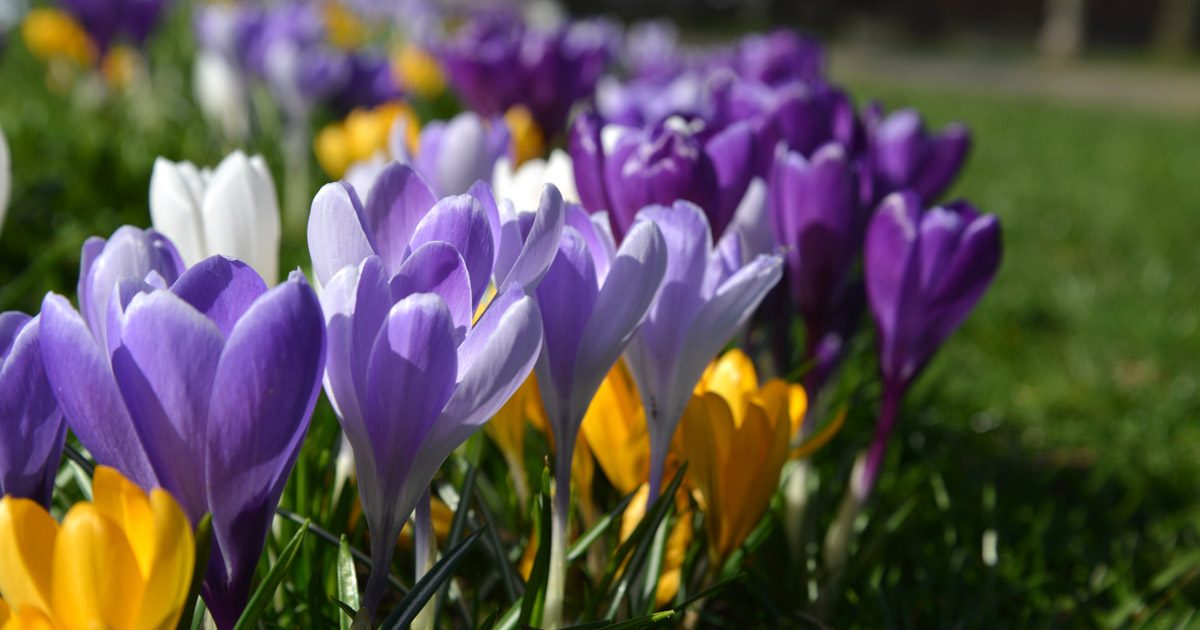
x: 688, y: 242
x: 638, y: 272
x: 165, y: 367
x: 33, y: 427
x: 540, y: 244
x: 397, y: 203
x: 87, y: 393
x: 262, y: 399
x: 587, y: 159
x: 944, y: 159
x: 461, y: 222
x: 129, y: 252
x: 221, y: 288
x: 892, y: 271
x: 732, y: 154
x: 11, y: 325
x: 482, y: 193
x: 412, y: 373
x: 337, y: 236
x: 566, y: 297
x: 436, y: 267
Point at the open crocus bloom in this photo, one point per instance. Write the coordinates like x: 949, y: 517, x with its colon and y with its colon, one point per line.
x: 204, y: 388
x: 454, y: 154
x: 31, y: 426
x: 706, y: 295
x: 735, y: 437
x: 401, y: 214
x: 122, y: 561
x: 231, y: 211
x: 411, y: 377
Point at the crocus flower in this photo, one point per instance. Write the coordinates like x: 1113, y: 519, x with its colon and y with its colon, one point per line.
x: 401, y: 214
x: 411, y: 378
x: 418, y: 71
x: 204, y: 388
x: 222, y: 94
x: 109, y: 20
x: 30, y: 421
x: 592, y: 299
x: 231, y: 211
x: 925, y: 271
x: 124, y: 560
x: 364, y: 134
x: 904, y: 155
x: 5, y: 177
x: 455, y: 154
x: 782, y: 55
x: 706, y: 295
x: 51, y: 34
x: 735, y: 437
x: 496, y: 61
x: 523, y: 186
x: 622, y: 169
x: 817, y: 222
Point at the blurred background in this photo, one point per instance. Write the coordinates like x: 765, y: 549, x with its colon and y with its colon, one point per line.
x: 1048, y: 469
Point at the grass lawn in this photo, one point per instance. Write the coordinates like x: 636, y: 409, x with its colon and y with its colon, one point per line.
x: 1065, y: 414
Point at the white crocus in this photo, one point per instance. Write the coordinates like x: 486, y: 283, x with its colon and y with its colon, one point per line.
x: 231, y: 210
x: 524, y: 186
x: 222, y: 94
x: 5, y: 177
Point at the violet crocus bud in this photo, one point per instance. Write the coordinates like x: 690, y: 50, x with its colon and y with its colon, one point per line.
x: 904, y: 154
x: 31, y: 424
x: 925, y: 271
x: 629, y: 169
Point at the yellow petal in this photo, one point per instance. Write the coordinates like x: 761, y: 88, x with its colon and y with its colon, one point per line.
x: 27, y: 540
x: 172, y: 559
x: 332, y: 152
x: 528, y: 142
x: 4, y: 613
x: 127, y: 506
x: 734, y: 378
x: 96, y: 581
x: 29, y: 618
x: 785, y: 400
x: 418, y: 72
x: 615, y: 428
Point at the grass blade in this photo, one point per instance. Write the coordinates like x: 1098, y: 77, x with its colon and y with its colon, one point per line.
x: 535, y: 588
x: 593, y: 534
x: 347, y: 584
x: 408, y: 608
x: 266, y: 590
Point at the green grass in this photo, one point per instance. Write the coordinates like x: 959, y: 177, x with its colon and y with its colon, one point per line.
x: 1064, y: 417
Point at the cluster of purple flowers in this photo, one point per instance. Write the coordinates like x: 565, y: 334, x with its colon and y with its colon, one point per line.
x: 704, y: 178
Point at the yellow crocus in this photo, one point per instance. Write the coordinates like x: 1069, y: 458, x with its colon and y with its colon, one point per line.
x: 120, y: 66
x: 52, y: 34
x: 125, y: 560
x: 343, y: 27
x: 615, y: 428
x: 528, y: 141
x: 418, y: 71
x: 361, y: 135
x: 735, y: 437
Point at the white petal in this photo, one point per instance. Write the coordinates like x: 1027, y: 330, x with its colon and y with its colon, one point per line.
x: 175, y: 208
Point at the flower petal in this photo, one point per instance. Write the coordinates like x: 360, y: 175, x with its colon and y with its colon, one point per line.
x: 87, y: 393
x: 337, y: 233
x: 540, y: 244
x: 262, y: 398
x: 397, y: 203
x: 437, y: 267
x: 96, y: 582
x: 27, y: 539
x: 461, y: 222
x: 34, y: 428
x: 164, y: 369
x: 221, y: 288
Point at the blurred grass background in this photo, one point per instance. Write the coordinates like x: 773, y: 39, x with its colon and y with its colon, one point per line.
x: 1063, y: 419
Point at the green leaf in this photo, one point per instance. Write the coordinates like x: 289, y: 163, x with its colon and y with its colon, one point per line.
x: 408, y: 608
x: 534, y: 599
x: 636, y: 548
x: 203, y: 544
x: 459, y: 522
x: 649, y: 588
x: 651, y: 620
x: 347, y: 584
x: 593, y: 534
x: 266, y: 590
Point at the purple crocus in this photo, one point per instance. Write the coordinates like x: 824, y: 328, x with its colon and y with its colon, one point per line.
x: 495, y: 61
x: 781, y: 56
x: 401, y: 214
x: 454, y: 154
x: 592, y: 299
x: 904, y: 155
x: 707, y: 293
x: 817, y: 221
x: 622, y: 170
x: 411, y: 378
x: 925, y: 271
x: 30, y: 421
x: 106, y: 21
x: 204, y: 387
